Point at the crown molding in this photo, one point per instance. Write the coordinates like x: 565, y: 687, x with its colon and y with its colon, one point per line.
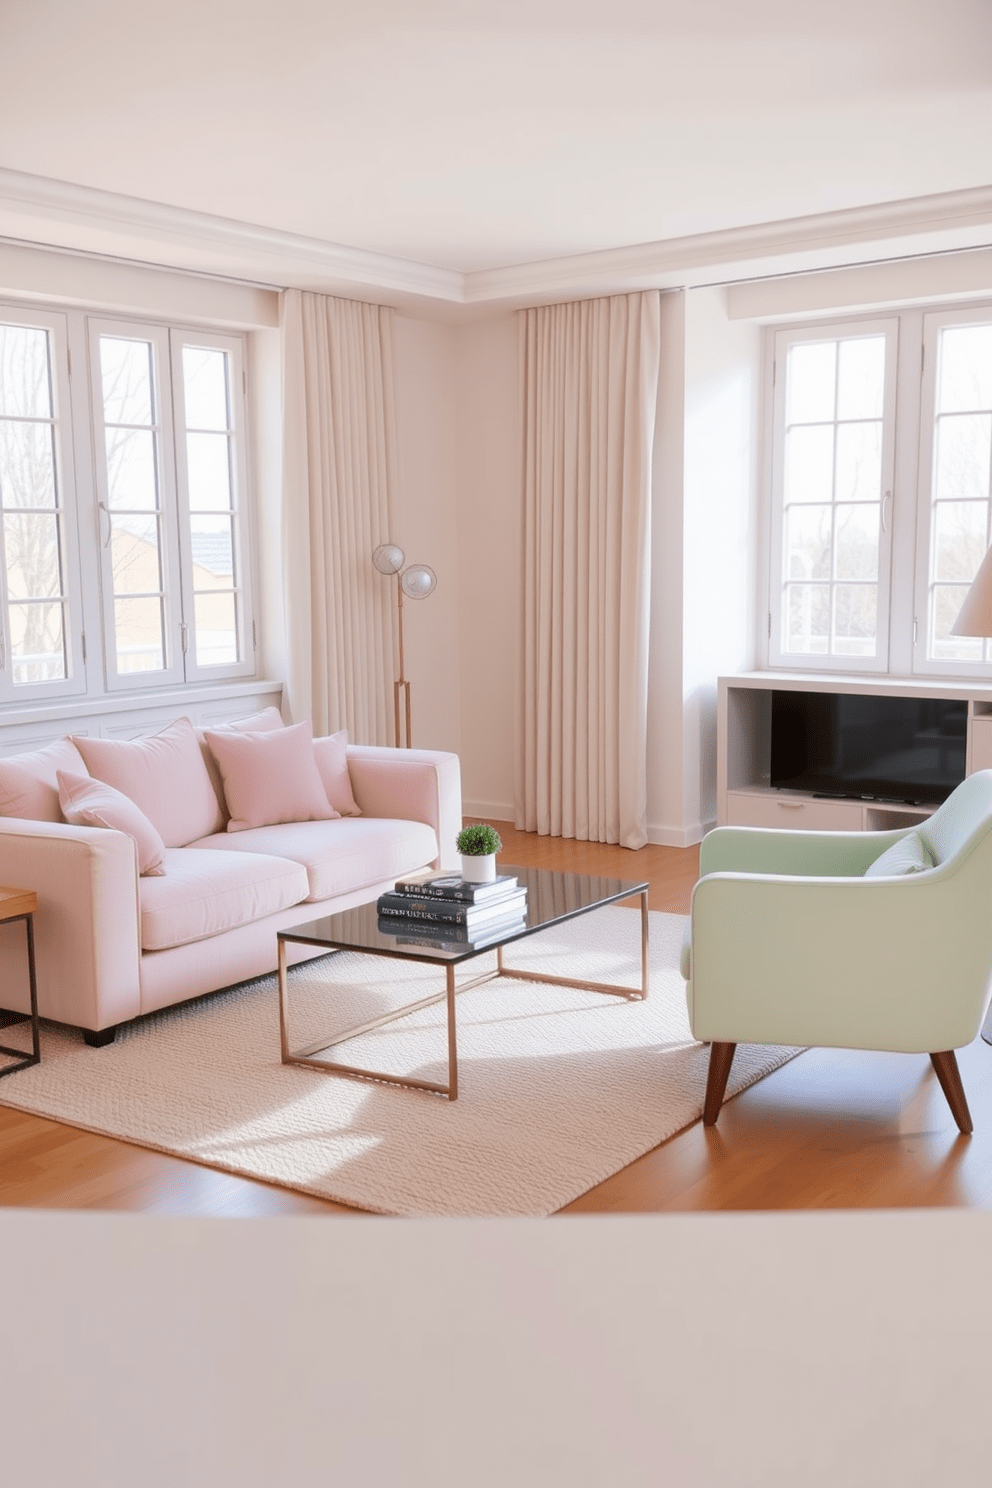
x: 914, y: 224
x: 64, y: 215
x: 202, y: 241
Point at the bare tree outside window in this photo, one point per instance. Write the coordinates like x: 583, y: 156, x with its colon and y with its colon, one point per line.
x: 32, y: 532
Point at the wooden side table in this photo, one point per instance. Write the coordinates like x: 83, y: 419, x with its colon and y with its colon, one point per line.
x: 20, y: 904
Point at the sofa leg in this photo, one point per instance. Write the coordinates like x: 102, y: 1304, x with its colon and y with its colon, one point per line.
x: 949, y: 1076
x: 721, y: 1058
x: 99, y: 1038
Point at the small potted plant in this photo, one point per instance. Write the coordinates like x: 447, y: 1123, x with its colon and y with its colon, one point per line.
x: 478, y: 845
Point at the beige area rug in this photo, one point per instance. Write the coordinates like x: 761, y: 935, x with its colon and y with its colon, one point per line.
x: 558, y: 1088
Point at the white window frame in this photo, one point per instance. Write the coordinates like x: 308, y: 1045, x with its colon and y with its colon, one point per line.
x: 179, y: 628
x: 82, y: 480
x: 782, y: 340
x: 158, y: 338
x: 233, y: 346
x: 934, y: 322
x: 74, y: 684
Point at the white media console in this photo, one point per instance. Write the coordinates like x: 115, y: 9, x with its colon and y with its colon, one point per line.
x: 744, y: 796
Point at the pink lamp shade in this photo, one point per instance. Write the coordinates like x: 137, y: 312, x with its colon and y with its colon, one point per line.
x: 975, y: 615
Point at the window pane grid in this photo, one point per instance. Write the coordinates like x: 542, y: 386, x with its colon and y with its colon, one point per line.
x: 212, y: 514
x: 961, y: 486
x: 132, y: 432
x: 147, y: 548
x: 31, y: 514
x: 832, y: 496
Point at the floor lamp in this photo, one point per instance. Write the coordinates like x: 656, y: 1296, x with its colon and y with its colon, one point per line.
x: 975, y: 619
x: 416, y: 581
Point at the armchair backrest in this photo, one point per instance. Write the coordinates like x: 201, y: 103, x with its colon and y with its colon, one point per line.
x: 962, y: 820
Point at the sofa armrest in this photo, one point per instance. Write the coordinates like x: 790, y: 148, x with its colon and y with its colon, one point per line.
x: 86, y: 925
x: 411, y: 785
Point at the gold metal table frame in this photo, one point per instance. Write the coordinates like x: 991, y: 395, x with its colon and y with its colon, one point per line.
x: 305, y: 1055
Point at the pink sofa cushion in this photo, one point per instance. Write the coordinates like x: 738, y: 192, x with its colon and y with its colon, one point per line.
x: 206, y: 893
x: 256, y: 723
x: 340, y: 856
x: 331, y: 755
x: 29, y: 787
x: 164, y: 775
x: 270, y: 777
x: 86, y: 802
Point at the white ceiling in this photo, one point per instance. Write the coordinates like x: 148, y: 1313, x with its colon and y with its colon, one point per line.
x: 473, y: 135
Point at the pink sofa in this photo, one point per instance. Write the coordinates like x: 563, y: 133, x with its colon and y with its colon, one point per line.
x: 112, y: 944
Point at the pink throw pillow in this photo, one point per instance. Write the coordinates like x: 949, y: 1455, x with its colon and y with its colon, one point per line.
x: 270, y: 777
x: 331, y: 754
x: 164, y: 775
x: 87, y: 802
x: 261, y: 722
x: 29, y: 787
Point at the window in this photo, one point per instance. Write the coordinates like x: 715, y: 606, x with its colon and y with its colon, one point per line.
x: 956, y: 458
x: 39, y: 621
x: 154, y: 556
x: 833, y: 494
x: 881, y: 447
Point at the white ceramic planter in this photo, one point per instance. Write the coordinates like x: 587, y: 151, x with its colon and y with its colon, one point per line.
x: 479, y: 869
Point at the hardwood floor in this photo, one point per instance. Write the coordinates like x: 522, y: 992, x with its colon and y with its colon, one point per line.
x: 832, y: 1129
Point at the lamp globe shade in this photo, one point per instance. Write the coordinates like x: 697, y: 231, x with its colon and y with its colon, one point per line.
x: 418, y: 581
x: 388, y: 558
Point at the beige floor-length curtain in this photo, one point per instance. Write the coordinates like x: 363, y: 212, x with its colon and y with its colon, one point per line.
x: 339, y: 468
x: 589, y: 374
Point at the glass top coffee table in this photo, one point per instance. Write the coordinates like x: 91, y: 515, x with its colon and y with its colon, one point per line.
x: 552, y: 898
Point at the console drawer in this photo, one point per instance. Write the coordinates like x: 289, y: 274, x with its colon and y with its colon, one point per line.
x: 798, y: 813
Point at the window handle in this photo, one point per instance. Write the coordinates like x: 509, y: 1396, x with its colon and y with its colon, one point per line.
x: 886, y: 509
x: 3, y: 652
x: 106, y: 513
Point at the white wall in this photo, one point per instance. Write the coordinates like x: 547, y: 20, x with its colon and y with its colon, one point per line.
x: 720, y: 548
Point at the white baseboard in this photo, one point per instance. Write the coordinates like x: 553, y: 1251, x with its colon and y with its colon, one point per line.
x: 499, y: 811
x: 488, y: 810
x: 679, y: 836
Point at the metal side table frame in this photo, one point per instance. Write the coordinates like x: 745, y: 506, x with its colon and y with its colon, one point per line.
x: 20, y: 904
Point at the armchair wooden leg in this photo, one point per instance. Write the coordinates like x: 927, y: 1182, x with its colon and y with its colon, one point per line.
x: 721, y: 1058
x: 950, y: 1083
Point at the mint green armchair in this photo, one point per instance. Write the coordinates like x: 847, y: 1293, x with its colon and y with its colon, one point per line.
x: 788, y: 942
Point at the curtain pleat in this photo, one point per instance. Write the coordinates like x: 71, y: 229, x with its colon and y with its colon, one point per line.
x: 589, y: 378
x: 339, y: 467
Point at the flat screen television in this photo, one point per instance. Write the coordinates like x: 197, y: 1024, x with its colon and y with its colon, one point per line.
x: 868, y: 748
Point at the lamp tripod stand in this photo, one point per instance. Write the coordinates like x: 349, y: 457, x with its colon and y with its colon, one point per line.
x: 416, y: 581
x: 401, y: 687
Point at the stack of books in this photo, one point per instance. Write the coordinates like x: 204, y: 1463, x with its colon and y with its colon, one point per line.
x: 444, y: 911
